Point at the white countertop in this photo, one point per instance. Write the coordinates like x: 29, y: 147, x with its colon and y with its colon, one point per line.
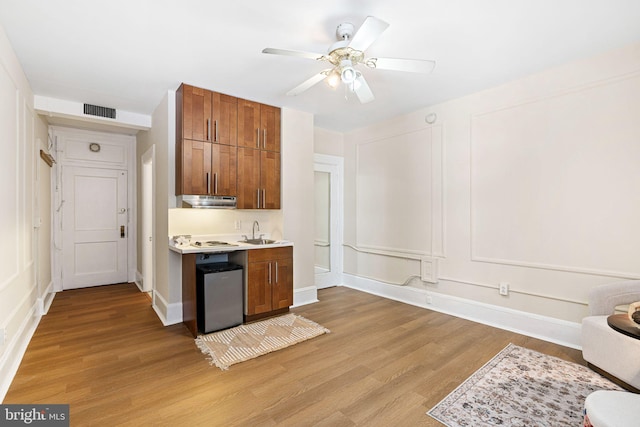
x: 237, y: 245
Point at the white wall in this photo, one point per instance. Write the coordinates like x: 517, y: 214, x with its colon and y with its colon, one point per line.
x: 25, y: 185
x: 167, y: 298
x: 298, y: 193
x: 534, y: 183
x: 328, y: 142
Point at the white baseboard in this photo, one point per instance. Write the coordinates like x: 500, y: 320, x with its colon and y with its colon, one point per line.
x: 304, y: 296
x: 138, y: 281
x: 169, y: 314
x: 44, y: 303
x: 16, y: 347
x: 545, y: 328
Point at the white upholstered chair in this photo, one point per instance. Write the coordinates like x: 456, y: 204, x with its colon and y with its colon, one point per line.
x: 603, y: 347
x: 607, y: 408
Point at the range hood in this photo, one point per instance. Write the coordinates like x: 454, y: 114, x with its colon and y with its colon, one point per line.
x: 207, y: 202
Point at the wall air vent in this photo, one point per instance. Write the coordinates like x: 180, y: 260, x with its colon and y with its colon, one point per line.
x: 96, y: 110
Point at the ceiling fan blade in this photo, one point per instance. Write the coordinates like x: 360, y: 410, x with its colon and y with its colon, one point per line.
x: 309, y: 55
x: 317, y: 78
x: 368, y: 33
x: 411, y: 65
x: 362, y: 90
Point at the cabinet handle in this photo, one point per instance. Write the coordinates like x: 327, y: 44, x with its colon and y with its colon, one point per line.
x: 122, y: 236
x: 264, y: 198
x: 258, y: 198
x: 270, y: 273
x: 215, y: 183
x: 258, y: 135
x: 208, y: 130
x: 208, y: 183
x: 276, y: 272
x: 215, y: 124
x: 264, y: 138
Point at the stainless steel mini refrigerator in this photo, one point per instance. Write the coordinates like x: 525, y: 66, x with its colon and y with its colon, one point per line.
x: 220, y: 296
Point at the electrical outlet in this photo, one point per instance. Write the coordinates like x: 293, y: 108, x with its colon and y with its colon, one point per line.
x: 429, y: 299
x: 504, y: 288
x: 238, y: 224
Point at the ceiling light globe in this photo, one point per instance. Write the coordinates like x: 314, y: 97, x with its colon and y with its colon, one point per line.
x: 348, y: 75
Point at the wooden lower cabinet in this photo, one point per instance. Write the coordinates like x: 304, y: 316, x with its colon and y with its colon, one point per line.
x: 269, y: 282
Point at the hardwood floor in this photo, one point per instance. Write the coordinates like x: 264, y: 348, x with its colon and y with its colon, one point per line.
x: 104, y: 351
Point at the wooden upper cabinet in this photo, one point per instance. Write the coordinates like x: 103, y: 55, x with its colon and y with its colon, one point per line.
x: 270, y: 180
x: 270, y: 125
x: 196, y: 113
x: 224, y: 161
x: 248, y: 178
x: 227, y: 146
x: 224, y: 113
x: 258, y: 126
x: 248, y: 123
x: 196, y: 168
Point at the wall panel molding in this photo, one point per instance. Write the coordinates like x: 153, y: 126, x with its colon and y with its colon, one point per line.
x: 565, y: 156
x: 434, y: 171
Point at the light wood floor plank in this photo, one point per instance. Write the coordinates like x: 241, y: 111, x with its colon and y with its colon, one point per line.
x: 104, y: 351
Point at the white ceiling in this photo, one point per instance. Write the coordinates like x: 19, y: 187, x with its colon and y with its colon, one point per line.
x: 126, y: 54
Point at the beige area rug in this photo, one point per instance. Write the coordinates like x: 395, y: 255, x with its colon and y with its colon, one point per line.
x: 521, y: 387
x: 249, y: 341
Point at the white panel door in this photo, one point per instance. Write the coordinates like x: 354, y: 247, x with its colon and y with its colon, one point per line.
x: 94, y: 227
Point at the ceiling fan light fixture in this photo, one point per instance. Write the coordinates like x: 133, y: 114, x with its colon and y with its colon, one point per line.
x: 333, y: 79
x: 347, y: 72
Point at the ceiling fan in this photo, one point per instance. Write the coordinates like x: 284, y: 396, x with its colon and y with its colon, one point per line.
x: 347, y: 53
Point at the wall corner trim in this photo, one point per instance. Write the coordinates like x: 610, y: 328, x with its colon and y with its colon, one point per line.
x: 169, y: 314
x: 304, y: 296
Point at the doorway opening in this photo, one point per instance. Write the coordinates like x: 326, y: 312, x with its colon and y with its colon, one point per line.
x: 328, y: 220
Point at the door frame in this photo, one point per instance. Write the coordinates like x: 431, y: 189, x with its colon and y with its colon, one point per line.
x: 148, y: 159
x: 333, y: 165
x: 125, y: 148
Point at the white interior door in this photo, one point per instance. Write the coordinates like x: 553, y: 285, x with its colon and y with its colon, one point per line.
x: 94, y: 226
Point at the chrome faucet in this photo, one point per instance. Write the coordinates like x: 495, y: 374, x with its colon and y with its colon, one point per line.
x: 253, y: 231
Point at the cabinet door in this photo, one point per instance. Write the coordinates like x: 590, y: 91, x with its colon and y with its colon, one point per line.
x: 225, y: 119
x: 196, y: 113
x: 196, y: 167
x: 270, y: 180
x: 258, y: 288
x: 248, y: 124
x: 223, y: 168
x: 248, y: 178
x: 282, y: 283
x: 270, y: 128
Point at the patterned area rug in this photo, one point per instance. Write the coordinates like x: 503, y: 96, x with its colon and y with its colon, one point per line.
x: 245, y: 342
x: 521, y: 387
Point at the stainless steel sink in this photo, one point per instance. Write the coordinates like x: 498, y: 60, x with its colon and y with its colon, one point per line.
x: 258, y: 241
